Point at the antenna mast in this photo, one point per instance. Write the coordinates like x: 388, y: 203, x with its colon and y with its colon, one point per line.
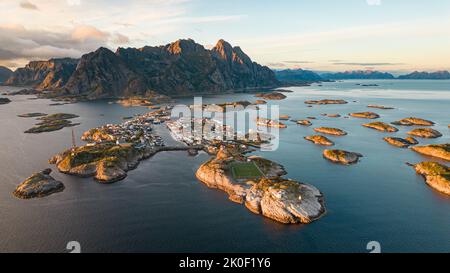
x: 74, y: 144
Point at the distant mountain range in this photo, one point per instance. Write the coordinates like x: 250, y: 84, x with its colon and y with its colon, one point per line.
x: 295, y: 75
x: 439, y: 75
x: 5, y: 73
x: 180, y: 68
x: 358, y: 75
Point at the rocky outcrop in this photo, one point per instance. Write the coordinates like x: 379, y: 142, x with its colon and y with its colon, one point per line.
x: 44, y: 75
x: 53, y: 122
x: 4, y: 101
x: 271, y: 96
x: 330, y: 131
x: 304, y: 122
x: 381, y: 126
x: 366, y: 115
x: 270, y: 195
x: 425, y: 133
x: 40, y: 184
x: 401, y: 142
x: 439, y: 150
x: 380, y: 107
x: 342, y: 157
x: 320, y: 140
x: 413, y: 122
x: 436, y: 175
x: 325, y: 102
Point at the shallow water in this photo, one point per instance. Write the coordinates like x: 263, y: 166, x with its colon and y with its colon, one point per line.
x: 161, y: 207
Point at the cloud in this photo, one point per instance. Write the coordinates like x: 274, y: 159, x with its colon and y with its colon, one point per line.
x: 28, y: 5
x: 276, y: 65
x: 365, y: 64
x: 19, y: 44
x: 298, y: 62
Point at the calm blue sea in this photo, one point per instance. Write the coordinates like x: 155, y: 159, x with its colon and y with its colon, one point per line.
x: 161, y: 207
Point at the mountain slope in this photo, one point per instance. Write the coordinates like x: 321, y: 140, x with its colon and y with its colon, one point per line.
x: 5, y: 73
x: 295, y: 75
x: 51, y: 74
x: 180, y: 68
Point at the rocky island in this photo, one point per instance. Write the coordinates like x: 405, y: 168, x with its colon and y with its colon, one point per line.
x: 32, y: 115
x: 271, y: 96
x: 342, y: 157
x: 320, y: 140
x: 40, y: 184
x: 401, y: 142
x: 4, y: 101
x: 380, y: 107
x: 331, y: 131
x: 304, y: 122
x: 425, y: 133
x: 258, y: 183
x: 413, y: 122
x: 441, y: 151
x: 325, y: 102
x: 53, y: 122
x: 436, y: 175
x: 381, y: 126
x: 366, y: 115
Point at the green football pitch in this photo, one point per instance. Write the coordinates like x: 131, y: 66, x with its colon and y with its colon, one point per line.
x: 245, y: 170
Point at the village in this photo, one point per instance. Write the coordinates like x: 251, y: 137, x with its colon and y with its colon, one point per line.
x: 137, y: 131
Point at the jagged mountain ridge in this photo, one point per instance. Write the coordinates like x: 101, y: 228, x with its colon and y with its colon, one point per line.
x: 439, y: 75
x: 358, y: 74
x: 180, y: 68
x: 294, y: 75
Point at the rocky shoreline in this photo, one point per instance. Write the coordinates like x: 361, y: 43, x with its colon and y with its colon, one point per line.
x: 38, y: 185
x: 283, y: 200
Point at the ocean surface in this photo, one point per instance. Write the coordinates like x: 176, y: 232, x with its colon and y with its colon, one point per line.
x: 161, y: 207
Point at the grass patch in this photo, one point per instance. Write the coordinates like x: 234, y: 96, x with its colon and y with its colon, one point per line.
x: 245, y: 170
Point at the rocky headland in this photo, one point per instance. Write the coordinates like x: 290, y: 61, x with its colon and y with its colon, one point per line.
x: 40, y: 184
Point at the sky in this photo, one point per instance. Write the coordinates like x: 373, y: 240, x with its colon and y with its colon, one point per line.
x: 322, y: 35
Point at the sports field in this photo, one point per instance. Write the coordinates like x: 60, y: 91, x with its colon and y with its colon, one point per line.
x: 245, y: 170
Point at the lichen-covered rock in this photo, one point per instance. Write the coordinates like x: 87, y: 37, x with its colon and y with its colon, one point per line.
x: 425, y: 133
x: 440, y: 150
x: 413, y: 122
x: 381, y: 126
x: 330, y: 131
x: 401, y: 142
x: 320, y: 140
x: 40, y: 184
x: 436, y: 175
x: 342, y: 157
x: 366, y: 115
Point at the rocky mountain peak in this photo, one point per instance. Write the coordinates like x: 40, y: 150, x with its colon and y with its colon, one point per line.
x: 184, y: 46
